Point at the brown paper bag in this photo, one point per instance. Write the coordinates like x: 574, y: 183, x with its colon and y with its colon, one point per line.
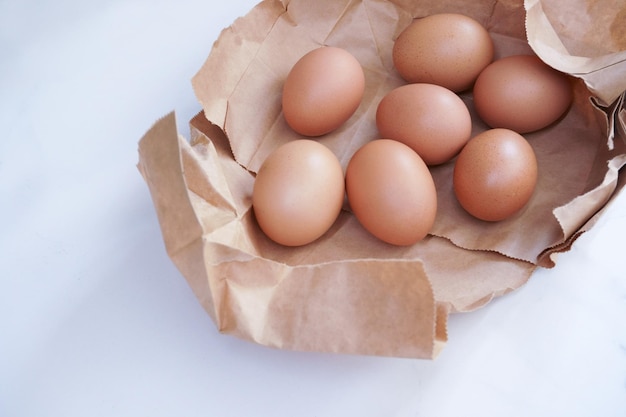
x: 349, y: 292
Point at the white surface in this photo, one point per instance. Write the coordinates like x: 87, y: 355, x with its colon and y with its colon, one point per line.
x: 96, y: 321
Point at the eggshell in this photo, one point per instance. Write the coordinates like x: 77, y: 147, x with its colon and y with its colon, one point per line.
x: 391, y: 192
x: 298, y: 192
x: 521, y: 93
x: 322, y: 91
x: 431, y: 119
x: 495, y: 174
x: 448, y: 49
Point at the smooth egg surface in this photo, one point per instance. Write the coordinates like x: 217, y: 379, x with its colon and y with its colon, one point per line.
x: 322, y: 91
x: 391, y: 192
x: 298, y: 192
x: 446, y: 49
x: 521, y: 93
x: 430, y: 119
x: 495, y: 174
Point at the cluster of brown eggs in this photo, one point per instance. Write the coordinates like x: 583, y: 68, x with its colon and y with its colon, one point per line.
x: 300, y: 188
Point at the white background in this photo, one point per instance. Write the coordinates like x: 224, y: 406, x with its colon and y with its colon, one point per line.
x: 96, y: 321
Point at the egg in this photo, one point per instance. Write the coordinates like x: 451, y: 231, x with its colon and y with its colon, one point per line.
x: 430, y: 119
x: 298, y: 192
x: 322, y: 91
x: 495, y: 174
x: 447, y: 49
x: 521, y: 93
x: 391, y: 192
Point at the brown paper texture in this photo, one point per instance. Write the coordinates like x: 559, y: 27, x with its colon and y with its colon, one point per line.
x: 586, y: 38
x: 349, y: 292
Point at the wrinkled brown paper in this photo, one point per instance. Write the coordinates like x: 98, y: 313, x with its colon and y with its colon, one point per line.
x: 349, y: 292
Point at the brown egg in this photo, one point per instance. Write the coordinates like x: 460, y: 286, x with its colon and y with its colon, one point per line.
x: 322, y: 91
x: 447, y: 49
x: 495, y: 174
x: 431, y: 119
x: 521, y: 93
x: 391, y: 192
x: 298, y: 192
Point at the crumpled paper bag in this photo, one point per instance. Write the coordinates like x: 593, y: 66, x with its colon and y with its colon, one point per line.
x: 349, y: 292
